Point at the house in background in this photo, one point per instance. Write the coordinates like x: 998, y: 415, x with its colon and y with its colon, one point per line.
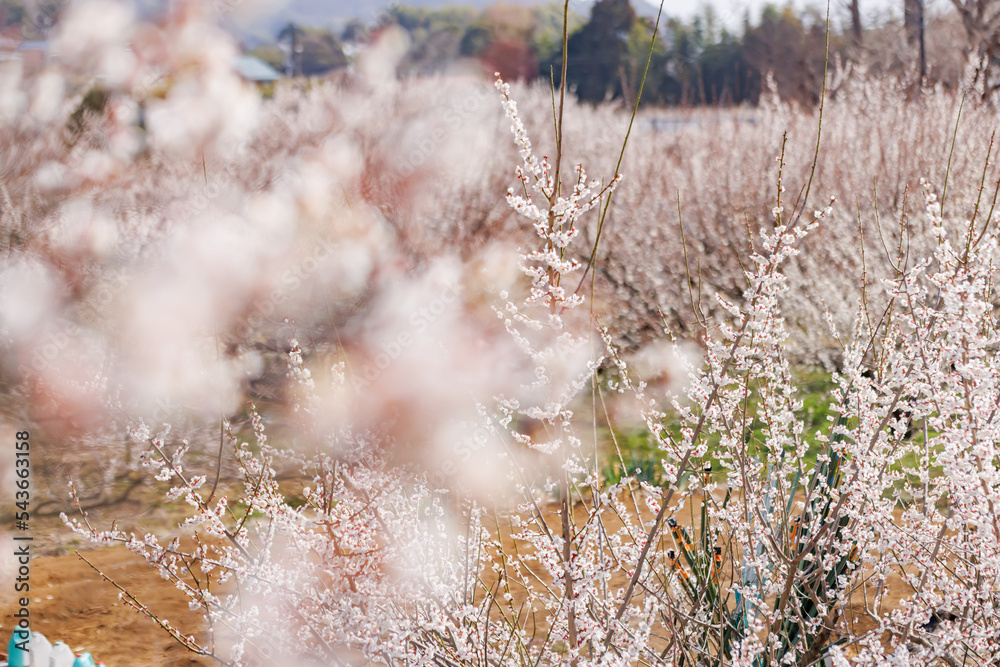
x: 35, y: 54
x: 255, y: 70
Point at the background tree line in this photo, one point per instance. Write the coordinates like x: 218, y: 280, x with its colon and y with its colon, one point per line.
x: 701, y: 61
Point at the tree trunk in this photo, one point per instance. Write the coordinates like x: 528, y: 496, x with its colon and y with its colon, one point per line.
x: 981, y: 19
x: 913, y: 20
x: 856, y: 32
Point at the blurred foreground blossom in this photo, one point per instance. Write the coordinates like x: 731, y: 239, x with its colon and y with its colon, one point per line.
x: 388, y: 396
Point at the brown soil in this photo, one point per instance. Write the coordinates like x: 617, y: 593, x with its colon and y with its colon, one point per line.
x: 858, y: 621
x: 72, y: 603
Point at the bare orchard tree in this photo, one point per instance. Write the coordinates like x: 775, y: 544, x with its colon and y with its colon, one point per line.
x: 856, y: 29
x: 981, y: 19
x: 913, y: 19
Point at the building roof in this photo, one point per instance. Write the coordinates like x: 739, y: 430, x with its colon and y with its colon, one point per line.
x: 33, y: 46
x: 254, y: 69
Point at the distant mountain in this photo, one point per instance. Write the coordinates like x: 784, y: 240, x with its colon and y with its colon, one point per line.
x: 258, y: 21
x: 335, y: 14
x: 273, y: 15
x: 368, y: 10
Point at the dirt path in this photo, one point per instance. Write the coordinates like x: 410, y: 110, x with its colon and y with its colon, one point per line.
x: 859, y: 622
x: 70, y: 602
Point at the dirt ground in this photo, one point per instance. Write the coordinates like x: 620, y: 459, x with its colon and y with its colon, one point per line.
x: 859, y: 622
x: 72, y: 603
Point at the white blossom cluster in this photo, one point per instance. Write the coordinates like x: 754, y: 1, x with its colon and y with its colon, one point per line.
x: 389, y: 435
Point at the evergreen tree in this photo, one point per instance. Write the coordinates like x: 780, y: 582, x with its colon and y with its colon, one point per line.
x: 597, y: 52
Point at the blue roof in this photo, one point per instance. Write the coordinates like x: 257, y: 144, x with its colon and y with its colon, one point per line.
x: 33, y: 46
x: 254, y: 69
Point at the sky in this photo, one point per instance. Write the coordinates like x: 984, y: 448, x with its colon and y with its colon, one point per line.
x: 732, y: 11
x: 873, y: 12
x: 269, y: 13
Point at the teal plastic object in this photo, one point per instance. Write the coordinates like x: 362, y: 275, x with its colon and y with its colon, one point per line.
x: 41, y: 650
x: 16, y: 655
x: 62, y: 656
x: 84, y: 661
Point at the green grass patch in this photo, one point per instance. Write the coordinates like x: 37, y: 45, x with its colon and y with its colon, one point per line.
x: 641, y: 456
